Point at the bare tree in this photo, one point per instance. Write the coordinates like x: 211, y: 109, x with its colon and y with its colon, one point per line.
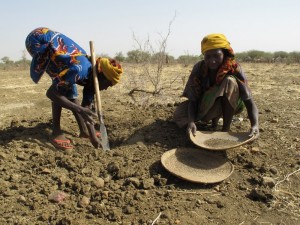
x: 152, y: 67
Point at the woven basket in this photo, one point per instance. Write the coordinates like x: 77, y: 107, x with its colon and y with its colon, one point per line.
x: 197, y: 166
x: 216, y: 140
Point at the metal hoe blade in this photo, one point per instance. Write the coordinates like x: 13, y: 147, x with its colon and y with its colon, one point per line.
x: 104, y: 138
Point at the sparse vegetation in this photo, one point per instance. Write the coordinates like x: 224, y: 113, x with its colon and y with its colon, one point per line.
x: 139, y: 56
x: 153, y: 59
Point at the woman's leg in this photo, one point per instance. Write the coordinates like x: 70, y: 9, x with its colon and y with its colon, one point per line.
x: 180, y: 116
x: 58, y: 138
x: 221, y: 101
x: 56, y: 114
x: 82, y: 127
x: 214, y: 114
x: 228, y: 112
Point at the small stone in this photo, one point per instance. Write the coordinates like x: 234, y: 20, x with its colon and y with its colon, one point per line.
x: 255, y: 149
x: 166, y: 215
x: 107, y: 179
x: 15, y: 177
x: 46, y: 171
x: 242, y: 187
x: 274, y: 170
x: 217, y: 188
x: 177, y: 221
x: 86, y: 188
x: 105, y: 194
x: 199, y: 202
x: 57, y: 196
x: 133, y: 180
x: 22, y: 199
x: 148, y: 183
x: 84, y: 202
x: 138, y: 196
x: 275, y: 120
x: 98, y: 182
x: 22, y: 157
x: 113, y: 167
x: 268, y: 181
x: 128, y: 210
x: 144, y: 192
x: 63, y: 179
x: 86, y: 171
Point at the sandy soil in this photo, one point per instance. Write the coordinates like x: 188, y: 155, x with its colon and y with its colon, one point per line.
x: 128, y: 185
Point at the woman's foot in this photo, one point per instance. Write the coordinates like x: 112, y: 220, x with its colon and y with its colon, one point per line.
x: 61, y: 142
x: 86, y: 135
x: 214, y: 123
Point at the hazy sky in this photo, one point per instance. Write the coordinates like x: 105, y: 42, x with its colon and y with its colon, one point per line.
x: 266, y: 25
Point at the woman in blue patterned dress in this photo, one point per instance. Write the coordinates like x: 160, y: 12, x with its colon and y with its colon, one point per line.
x: 68, y: 65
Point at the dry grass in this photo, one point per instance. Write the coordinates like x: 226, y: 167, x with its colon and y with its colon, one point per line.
x: 287, y: 198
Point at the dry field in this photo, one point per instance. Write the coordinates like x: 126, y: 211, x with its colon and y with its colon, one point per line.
x: 128, y: 184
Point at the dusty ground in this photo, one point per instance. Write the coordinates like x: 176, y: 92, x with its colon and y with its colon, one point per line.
x: 128, y: 185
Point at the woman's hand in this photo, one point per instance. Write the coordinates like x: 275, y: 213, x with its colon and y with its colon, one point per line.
x: 87, y: 115
x: 253, y: 116
x: 254, y: 131
x: 61, y: 100
x: 191, y: 127
x: 95, y: 141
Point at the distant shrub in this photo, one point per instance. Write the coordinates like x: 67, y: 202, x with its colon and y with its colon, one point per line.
x: 188, y: 59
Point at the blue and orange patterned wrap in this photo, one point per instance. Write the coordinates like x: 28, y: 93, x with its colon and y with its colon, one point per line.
x: 59, y: 56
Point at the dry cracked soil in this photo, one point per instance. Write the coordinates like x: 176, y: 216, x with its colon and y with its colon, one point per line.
x: 128, y: 184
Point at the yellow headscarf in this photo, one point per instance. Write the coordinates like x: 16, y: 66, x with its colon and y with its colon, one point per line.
x: 214, y: 41
x: 111, y: 69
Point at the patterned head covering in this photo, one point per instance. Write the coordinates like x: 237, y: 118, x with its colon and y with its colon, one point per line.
x: 199, y: 81
x: 55, y: 53
x: 37, y: 43
x: 219, y: 41
x: 111, y: 69
x: 215, y: 41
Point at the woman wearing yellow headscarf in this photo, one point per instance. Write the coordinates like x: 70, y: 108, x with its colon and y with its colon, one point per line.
x: 217, y: 87
x: 68, y: 66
